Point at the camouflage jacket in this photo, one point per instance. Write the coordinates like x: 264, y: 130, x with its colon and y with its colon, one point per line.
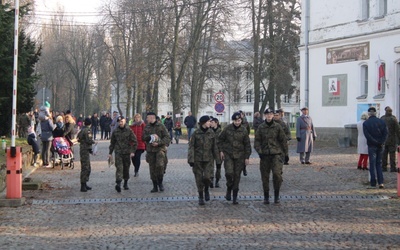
x: 246, y: 124
x: 85, y: 138
x: 270, y: 140
x: 235, y: 142
x: 123, y: 141
x: 285, y: 128
x: 163, y: 137
x: 393, y: 130
x: 203, y: 146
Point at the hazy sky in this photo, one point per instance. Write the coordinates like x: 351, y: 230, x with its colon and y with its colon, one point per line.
x: 80, y: 10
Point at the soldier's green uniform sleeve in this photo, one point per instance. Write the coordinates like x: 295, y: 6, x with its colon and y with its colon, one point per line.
x: 112, y: 144
x: 216, y: 150
x: 221, y: 140
x: 191, y: 149
x: 257, y: 141
x: 165, y: 140
x: 247, y: 146
x: 146, y: 134
x: 282, y: 140
x: 133, y: 140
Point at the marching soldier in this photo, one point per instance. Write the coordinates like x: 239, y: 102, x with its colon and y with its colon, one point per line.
x: 123, y: 143
x: 278, y: 119
x: 203, y: 151
x: 246, y: 125
x: 157, y: 138
x: 86, y: 141
x: 217, y: 130
x: 270, y: 143
x: 234, y: 144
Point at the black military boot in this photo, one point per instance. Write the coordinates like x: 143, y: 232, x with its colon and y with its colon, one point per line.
x: 126, y: 185
x: 160, y: 185
x: 118, y: 187
x: 155, y: 187
x: 212, y: 182
x: 201, y: 200
x: 228, y: 194
x: 235, y: 194
x: 87, y: 187
x: 276, y: 197
x: 266, y: 198
x: 217, y: 183
x: 83, y: 187
x: 206, y: 194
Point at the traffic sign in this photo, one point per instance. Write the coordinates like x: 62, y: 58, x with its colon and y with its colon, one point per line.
x: 219, y: 107
x: 219, y: 97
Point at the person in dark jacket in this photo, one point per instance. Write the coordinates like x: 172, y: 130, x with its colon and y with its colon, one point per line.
x: 107, y: 126
x: 190, y: 122
x: 257, y: 121
x: 376, y: 132
x: 169, y: 125
x: 86, y: 141
x: 391, y: 141
x: 95, y: 125
x: 32, y: 140
x: 102, y: 127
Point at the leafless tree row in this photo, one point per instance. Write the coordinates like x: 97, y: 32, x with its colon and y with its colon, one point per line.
x: 139, y: 43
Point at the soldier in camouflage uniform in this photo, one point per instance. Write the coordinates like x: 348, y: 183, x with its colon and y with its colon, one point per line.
x: 278, y: 119
x: 391, y: 141
x: 246, y: 125
x: 235, y: 150
x: 124, y: 143
x: 217, y: 130
x: 157, y: 138
x: 269, y: 143
x: 86, y: 141
x: 202, y: 152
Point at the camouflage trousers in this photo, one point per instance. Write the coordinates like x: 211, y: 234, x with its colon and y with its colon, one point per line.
x: 391, y: 151
x: 157, y: 163
x: 201, y: 171
x: 122, y: 165
x: 85, y: 165
x: 233, y: 170
x: 217, y: 171
x: 272, y: 163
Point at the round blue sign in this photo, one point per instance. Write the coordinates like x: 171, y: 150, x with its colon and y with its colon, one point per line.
x: 219, y: 107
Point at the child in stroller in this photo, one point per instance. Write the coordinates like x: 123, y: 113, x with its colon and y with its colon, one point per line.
x: 62, y: 152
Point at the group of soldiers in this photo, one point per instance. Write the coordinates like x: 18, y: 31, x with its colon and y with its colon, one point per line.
x: 208, y: 146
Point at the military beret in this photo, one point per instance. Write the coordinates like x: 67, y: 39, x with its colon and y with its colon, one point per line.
x: 151, y: 113
x: 388, y: 109
x: 215, y: 119
x: 372, y: 109
x: 204, y: 119
x: 236, y: 116
x: 115, y: 112
x: 120, y: 118
x: 88, y: 121
x: 268, y: 111
x: 304, y: 108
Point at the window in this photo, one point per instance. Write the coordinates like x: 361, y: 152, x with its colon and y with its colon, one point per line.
x: 382, y: 8
x: 236, y: 95
x: 169, y: 113
x: 209, y: 96
x: 382, y: 78
x: 249, y: 96
x: 364, y: 80
x: 169, y: 95
x: 209, y: 74
x: 365, y: 9
x: 262, y: 95
x: 249, y: 75
x: 286, y: 99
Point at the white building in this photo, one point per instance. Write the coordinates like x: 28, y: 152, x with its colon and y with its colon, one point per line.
x: 348, y: 41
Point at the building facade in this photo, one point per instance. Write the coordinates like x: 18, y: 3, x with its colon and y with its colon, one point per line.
x: 354, y: 60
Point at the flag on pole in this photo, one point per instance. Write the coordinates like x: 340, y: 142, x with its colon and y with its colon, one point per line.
x: 381, y: 74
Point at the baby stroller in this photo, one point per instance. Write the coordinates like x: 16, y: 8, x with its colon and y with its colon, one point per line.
x: 62, y: 153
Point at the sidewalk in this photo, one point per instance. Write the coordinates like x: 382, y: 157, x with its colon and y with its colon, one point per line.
x: 324, y: 205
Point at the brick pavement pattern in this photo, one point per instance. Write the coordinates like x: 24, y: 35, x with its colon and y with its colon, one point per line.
x: 294, y: 224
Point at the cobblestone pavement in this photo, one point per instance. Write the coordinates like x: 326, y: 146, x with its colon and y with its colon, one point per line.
x: 324, y: 206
